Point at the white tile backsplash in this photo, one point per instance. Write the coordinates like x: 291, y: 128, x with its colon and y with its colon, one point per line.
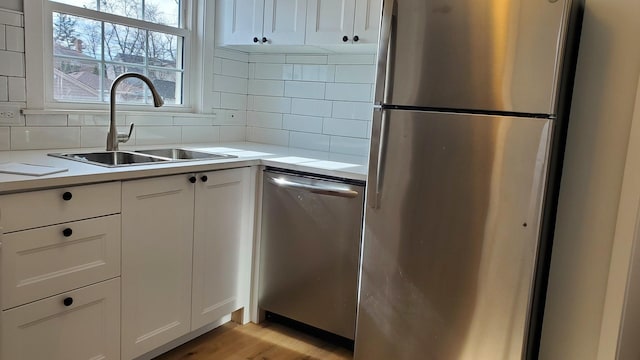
x: 268, y: 136
x: 3, y: 32
x: 355, y: 73
x: 46, y: 120
x: 309, y: 141
x: 273, y: 71
x: 303, y: 89
x: 311, y: 107
x: 5, y: 138
x: 266, y: 87
x: 200, y: 134
x: 271, y: 104
x: 342, y: 127
x: 4, y: 88
x: 307, y: 59
x: 152, y: 135
x: 149, y: 120
x: 192, y: 120
x: 17, y: 89
x: 349, y: 146
x: 233, y: 101
x: 309, y: 124
x: 11, y: 63
x: 12, y: 18
x: 14, y: 38
x: 321, y: 73
x: 234, y: 68
x: 24, y: 138
x: 352, y: 59
x: 352, y: 110
x: 230, y: 84
x: 264, y: 119
x: 349, y: 92
x: 267, y: 58
x: 233, y: 133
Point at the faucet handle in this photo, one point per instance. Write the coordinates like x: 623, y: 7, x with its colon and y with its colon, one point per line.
x: 122, y: 138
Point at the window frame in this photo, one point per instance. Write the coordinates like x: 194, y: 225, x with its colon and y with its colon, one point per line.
x: 40, y: 58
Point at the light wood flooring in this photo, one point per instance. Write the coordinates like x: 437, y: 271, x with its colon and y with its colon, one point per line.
x: 267, y: 341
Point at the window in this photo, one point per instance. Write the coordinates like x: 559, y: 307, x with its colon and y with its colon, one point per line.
x: 94, y: 41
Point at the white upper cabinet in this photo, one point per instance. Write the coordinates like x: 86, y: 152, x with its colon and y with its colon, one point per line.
x: 322, y: 24
x: 284, y: 22
x: 241, y: 20
x: 331, y: 22
x: 367, y: 21
x: 261, y: 22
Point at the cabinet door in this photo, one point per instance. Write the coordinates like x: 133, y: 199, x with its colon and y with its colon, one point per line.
x: 157, y: 238
x: 222, y: 235
x: 284, y: 21
x: 88, y: 328
x: 328, y: 21
x: 367, y: 21
x: 240, y: 21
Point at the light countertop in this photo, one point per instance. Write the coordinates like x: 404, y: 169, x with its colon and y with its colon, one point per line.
x: 248, y: 154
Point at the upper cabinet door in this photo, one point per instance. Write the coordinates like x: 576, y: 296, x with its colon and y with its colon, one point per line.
x: 284, y: 21
x: 329, y: 21
x: 367, y: 21
x: 240, y: 21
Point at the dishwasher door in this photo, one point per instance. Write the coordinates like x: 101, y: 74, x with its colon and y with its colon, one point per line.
x: 310, y: 250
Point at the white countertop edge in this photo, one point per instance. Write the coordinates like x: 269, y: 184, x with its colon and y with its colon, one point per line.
x: 249, y: 154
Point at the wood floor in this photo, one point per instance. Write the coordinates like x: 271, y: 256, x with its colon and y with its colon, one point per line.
x: 267, y: 341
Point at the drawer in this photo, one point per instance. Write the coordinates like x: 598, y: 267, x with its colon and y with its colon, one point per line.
x: 87, y: 328
x: 46, y: 261
x: 53, y: 206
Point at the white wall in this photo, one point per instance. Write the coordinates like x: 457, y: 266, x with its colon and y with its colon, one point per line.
x: 607, y: 76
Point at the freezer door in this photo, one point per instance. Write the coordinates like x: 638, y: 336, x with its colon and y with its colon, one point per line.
x: 501, y: 55
x: 451, y: 242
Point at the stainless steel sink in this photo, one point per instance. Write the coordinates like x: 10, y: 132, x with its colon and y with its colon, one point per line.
x: 112, y: 158
x: 184, y: 154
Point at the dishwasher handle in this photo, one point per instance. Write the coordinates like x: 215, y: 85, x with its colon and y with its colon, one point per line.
x: 316, y: 189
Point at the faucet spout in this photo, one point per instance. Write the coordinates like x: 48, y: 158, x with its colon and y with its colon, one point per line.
x: 113, y: 137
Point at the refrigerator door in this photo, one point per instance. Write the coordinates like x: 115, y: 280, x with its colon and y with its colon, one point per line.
x: 451, y: 228
x: 488, y: 55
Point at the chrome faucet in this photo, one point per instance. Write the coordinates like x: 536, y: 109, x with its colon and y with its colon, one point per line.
x: 113, y: 137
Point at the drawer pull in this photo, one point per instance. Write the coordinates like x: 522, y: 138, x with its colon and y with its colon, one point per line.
x: 67, y: 301
x: 67, y: 232
x: 67, y: 196
x: 192, y: 179
x: 204, y: 178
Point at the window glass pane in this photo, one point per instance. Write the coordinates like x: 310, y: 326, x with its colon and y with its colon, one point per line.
x: 168, y: 84
x: 131, y: 90
x: 163, y: 50
x: 124, y: 44
x: 127, y: 8
x: 87, y: 4
x: 76, y: 36
x: 76, y: 80
x: 165, y: 12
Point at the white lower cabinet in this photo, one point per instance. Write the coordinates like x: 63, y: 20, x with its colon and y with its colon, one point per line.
x: 82, y: 324
x: 182, y: 238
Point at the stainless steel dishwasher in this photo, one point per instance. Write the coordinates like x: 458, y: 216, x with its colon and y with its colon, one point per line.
x: 310, y: 249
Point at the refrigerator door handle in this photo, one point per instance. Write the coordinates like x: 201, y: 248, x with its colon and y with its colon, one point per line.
x: 383, y: 52
x: 378, y: 156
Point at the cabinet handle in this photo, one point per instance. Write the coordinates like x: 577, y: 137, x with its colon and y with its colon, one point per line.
x: 204, y: 178
x: 345, y: 38
x: 67, y: 232
x: 67, y: 196
x: 67, y: 301
x: 356, y: 38
x: 255, y: 40
x: 192, y: 179
x: 264, y: 40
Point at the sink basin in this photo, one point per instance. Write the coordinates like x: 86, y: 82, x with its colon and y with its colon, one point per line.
x: 184, y: 154
x: 112, y: 158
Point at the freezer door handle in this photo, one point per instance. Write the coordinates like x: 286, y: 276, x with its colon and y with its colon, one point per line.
x: 383, y: 73
x: 378, y: 157
x: 340, y: 191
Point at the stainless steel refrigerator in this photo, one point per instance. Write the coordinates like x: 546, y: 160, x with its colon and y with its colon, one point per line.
x: 472, y: 100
